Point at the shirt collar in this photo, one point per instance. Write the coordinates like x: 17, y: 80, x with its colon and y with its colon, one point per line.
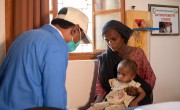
x: 57, y: 30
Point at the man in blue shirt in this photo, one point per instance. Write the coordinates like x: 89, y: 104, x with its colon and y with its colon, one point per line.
x: 33, y: 73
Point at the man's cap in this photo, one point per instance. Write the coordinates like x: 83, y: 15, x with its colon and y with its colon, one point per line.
x: 120, y: 27
x: 75, y: 16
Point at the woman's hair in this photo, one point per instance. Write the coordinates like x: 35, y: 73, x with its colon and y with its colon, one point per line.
x: 122, y: 36
x: 122, y: 29
x: 62, y: 23
x: 129, y: 63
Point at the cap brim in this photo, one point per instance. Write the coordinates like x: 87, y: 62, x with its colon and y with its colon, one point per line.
x: 85, y: 40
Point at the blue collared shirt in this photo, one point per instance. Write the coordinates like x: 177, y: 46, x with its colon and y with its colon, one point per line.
x: 33, y: 73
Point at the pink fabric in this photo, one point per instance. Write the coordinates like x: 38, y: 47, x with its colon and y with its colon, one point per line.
x: 144, y: 68
x: 99, y: 89
x: 144, y: 71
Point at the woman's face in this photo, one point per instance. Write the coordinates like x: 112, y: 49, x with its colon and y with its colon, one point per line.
x: 113, y: 39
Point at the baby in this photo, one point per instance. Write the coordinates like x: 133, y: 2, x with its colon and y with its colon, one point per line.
x: 128, y: 89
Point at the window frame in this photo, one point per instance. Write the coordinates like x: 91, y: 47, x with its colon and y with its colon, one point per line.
x: 90, y: 55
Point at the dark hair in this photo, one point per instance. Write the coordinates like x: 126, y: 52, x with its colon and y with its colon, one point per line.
x: 122, y: 36
x: 62, y: 23
x: 129, y: 63
x: 122, y: 29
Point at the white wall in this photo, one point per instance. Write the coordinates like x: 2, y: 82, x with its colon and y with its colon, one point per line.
x: 80, y: 83
x: 2, y: 30
x: 164, y: 56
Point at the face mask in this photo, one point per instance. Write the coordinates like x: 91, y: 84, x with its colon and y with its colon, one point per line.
x: 72, y: 46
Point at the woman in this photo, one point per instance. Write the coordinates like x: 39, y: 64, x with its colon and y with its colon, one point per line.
x: 117, y: 35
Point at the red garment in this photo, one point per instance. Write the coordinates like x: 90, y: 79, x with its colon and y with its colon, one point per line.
x: 144, y: 71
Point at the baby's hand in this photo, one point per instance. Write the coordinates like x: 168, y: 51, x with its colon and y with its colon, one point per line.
x: 132, y: 91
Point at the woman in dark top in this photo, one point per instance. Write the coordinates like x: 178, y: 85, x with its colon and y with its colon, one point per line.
x: 117, y: 35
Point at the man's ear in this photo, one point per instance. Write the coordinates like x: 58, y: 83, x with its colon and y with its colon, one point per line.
x: 74, y: 29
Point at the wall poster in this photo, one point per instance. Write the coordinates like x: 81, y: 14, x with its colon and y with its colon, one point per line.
x: 165, y: 18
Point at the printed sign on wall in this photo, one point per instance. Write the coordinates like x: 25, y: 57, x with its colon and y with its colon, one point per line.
x: 166, y: 18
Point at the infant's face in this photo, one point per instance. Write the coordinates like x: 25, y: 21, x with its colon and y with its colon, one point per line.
x: 124, y: 74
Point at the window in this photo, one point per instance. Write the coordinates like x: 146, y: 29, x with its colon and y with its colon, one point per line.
x: 98, y: 12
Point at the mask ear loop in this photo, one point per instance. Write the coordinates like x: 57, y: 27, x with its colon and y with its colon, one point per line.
x: 80, y: 33
x: 73, y: 36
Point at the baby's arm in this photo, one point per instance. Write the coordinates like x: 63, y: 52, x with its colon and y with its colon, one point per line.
x: 140, y: 97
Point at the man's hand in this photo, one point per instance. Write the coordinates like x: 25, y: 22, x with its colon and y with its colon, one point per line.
x: 132, y: 91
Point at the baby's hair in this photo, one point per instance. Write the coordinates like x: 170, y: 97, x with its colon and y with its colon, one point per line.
x: 131, y: 64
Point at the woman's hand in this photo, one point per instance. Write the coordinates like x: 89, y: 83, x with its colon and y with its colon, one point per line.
x: 92, y: 104
x: 99, y: 98
x: 132, y: 91
x: 133, y: 103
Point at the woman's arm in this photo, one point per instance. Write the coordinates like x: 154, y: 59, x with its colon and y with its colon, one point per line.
x: 99, y: 92
x: 145, y: 70
x: 99, y: 98
x: 149, y: 77
x: 140, y: 97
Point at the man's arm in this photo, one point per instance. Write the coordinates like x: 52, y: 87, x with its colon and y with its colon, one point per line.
x: 53, y: 80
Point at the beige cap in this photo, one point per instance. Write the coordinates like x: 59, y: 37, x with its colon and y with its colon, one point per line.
x: 75, y: 16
